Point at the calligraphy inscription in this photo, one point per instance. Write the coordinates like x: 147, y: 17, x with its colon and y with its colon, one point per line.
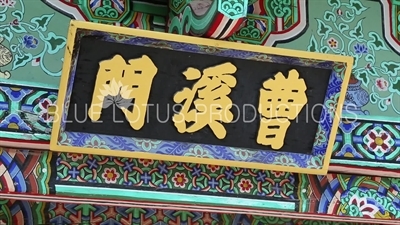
x: 213, y: 104
x: 178, y: 97
x: 280, y: 100
x: 123, y: 80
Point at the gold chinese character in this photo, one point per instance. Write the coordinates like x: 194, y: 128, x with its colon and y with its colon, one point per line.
x: 212, y: 105
x: 119, y: 82
x: 281, y: 100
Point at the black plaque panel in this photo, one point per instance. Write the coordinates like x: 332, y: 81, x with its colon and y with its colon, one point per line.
x: 250, y: 75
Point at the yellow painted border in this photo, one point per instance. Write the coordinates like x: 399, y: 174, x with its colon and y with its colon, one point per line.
x: 74, y: 25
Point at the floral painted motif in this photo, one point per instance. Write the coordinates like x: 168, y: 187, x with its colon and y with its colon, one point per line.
x: 278, y: 173
x: 147, y: 144
x: 320, y: 137
x: 198, y: 151
x: 331, y: 104
x: 96, y: 142
x: 180, y: 180
x: 262, y: 58
x: 64, y: 140
x: 315, y: 162
x: 245, y: 185
x: 382, y: 84
x: 46, y: 108
x: 110, y: 175
x: 343, y: 29
x: 146, y: 162
x: 332, y: 43
x: 213, y: 168
x: 360, y: 49
x: 372, y: 141
x: 378, y: 141
x: 284, y: 160
x: 243, y: 153
x: 7, y: 3
x: 74, y: 156
x: 30, y: 42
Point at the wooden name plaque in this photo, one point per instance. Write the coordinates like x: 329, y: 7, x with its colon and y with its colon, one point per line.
x: 133, y: 93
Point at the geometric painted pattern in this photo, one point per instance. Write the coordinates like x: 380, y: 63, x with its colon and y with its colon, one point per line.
x: 24, y: 171
x: 356, y: 196
x: 312, y: 194
x: 351, y: 195
x: 25, y: 112
x: 14, y: 212
x: 77, y: 213
x: 368, y: 140
x: 131, y: 173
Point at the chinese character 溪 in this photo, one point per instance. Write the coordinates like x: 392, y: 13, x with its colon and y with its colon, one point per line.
x: 212, y: 106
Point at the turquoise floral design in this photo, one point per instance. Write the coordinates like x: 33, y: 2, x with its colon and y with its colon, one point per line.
x: 244, y: 154
x: 341, y: 31
x: 198, y: 151
x: 320, y: 137
x: 147, y: 144
x: 64, y: 140
x: 284, y: 160
x: 29, y: 40
x: 96, y: 142
x: 331, y: 104
x: 316, y: 162
x: 279, y: 8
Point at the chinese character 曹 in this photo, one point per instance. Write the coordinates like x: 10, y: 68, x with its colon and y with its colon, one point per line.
x: 120, y: 82
x: 281, y: 100
x: 212, y: 105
